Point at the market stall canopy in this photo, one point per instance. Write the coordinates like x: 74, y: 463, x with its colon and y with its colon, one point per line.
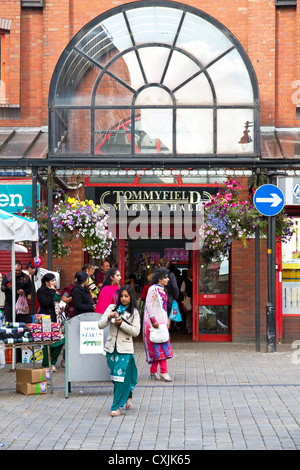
x: 17, y: 228
x: 5, y: 245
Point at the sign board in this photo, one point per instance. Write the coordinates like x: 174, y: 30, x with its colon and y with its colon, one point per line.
x: 143, y: 198
x: 296, y: 191
x: 91, y: 338
x: 15, y: 197
x: 83, y: 362
x: 268, y: 200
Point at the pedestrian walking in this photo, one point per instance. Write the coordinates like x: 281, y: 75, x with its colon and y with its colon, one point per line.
x: 109, y: 292
x: 124, y: 324
x: 156, y: 316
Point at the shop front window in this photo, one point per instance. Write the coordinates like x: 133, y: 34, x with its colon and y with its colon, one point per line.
x: 291, y: 273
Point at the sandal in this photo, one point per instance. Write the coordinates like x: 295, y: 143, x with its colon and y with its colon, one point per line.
x: 166, y: 378
x: 53, y: 368
x: 115, y: 412
x: 129, y: 404
x: 155, y: 376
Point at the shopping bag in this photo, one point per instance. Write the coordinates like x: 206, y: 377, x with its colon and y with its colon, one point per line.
x: 22, y: 307
x: 175, y: 313
x: 187, y: 304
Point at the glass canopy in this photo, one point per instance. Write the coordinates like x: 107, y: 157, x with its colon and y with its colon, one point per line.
x: 153, y: 79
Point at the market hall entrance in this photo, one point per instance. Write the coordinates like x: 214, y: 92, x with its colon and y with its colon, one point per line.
x: 211, y: 297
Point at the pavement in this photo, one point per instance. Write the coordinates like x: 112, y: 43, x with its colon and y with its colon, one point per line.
x: 225, y: 396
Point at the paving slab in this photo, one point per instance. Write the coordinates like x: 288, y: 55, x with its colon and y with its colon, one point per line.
x: 225, y: 396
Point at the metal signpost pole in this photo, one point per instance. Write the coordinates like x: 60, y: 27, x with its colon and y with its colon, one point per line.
x: 269, y: 201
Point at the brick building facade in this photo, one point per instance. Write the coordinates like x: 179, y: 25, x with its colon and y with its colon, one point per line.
x: 35, y: 33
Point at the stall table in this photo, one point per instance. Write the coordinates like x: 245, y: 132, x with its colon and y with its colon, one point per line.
x: 31, y: 345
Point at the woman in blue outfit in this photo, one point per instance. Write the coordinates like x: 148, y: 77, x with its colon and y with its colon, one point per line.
x: 124, y: 323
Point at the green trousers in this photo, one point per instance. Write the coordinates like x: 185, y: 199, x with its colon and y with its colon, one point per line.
x: 55, y: 350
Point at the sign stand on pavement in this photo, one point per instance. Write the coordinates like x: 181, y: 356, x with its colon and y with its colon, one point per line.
x: 85, y: 358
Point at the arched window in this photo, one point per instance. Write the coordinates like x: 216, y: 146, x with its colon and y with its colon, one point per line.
x: 153, y: 80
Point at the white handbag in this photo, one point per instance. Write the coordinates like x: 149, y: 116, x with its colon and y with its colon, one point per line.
x: 159, y: 335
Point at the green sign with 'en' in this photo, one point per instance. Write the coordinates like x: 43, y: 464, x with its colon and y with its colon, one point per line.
x: 16, y: 197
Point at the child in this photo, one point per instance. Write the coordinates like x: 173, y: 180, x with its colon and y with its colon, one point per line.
x: 124, y: 321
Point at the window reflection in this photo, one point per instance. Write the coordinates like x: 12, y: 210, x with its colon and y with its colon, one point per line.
x: 202, y: 39
x: 214, y: 319
x: 194, y: 131
x: 230, y: 128
x: 213, y: 272
x: 119, y: 139
x: 155, y: 128
x: 225, y: 80
x: 154, y: 22
x: 195, y: 91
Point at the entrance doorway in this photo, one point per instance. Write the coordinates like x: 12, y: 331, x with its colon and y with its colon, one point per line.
x: 211, y: 298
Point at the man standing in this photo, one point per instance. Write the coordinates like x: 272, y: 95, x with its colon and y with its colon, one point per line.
x: 89, y: 269
x: 23, y: 286
x: 100, y: 275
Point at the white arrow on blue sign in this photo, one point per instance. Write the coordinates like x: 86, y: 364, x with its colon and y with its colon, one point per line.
x: 268, y: 200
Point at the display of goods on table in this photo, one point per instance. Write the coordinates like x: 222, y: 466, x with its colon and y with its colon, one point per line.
x: 41, y: 330
x: 15, y: 332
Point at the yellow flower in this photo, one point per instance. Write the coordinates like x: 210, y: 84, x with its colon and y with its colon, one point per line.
x: 72, y: 201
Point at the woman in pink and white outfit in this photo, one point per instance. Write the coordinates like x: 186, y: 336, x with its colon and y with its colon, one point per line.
x: 156, y: 314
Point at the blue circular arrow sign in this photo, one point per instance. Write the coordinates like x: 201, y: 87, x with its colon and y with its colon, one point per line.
x: 268, y: 200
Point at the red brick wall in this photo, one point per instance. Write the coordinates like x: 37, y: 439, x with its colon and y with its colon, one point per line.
x: 243, y: 291
x: 39, y: 36
x: 285, y: 65
x: 290, y: 329
x: 31, y: 65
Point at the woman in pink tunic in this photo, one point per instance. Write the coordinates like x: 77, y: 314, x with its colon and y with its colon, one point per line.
x: 109, y: 292
x: 156, y: 314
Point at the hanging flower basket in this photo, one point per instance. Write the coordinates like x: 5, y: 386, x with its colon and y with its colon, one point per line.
x: 71, y: 219
x: 84, y: 220
x: 228, y: 218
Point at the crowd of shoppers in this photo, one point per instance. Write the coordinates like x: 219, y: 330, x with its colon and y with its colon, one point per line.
x: 117, y: 307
